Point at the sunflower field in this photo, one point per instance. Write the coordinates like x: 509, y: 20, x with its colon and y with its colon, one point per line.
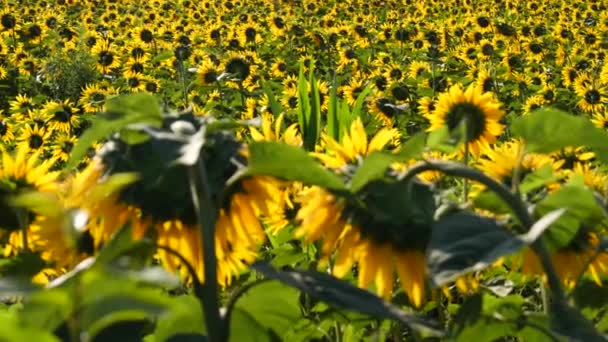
x: 303, y: 170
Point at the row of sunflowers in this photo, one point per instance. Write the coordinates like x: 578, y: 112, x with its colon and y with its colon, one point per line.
x: 435, y: 153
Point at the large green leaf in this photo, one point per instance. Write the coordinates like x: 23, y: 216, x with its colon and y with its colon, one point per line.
x: 268, y: 309
x: 567, y: 321
x: 333, y: 125
x: 46, y: 310
x: 25, y: 264
x: 290, y: 163
x: 581, y: 208
x: 375, y: 164
x: 463, y: 242
x: 342, y: 294
x: 538, y: 179
x: 122, y: 326
x: 483, y: 317
x: 358, y: 106
x: 275, y: 106
x: 120, y: 112
x: 186, y: 318
x: 549, y: 129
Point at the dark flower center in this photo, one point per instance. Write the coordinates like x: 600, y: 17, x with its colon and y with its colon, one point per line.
x: 8, y: 21
x: 106, y: 58
x: 592, y: 96
x: 63, y: 115
x: 35, y: 141
x: 474, y: 117
x: 239, y: 68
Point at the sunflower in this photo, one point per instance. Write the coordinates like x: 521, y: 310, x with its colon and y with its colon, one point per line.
x: 22, y: 172
x: 208, y: 73
x: 501, y: 160
x: 61, y: 116
x: 480, y: 111
x: 378, y: 247
x: 6, y: 132
x: 62, y: 147
x: 93, y: 98
x: 107, y: 59
x: 8, y: 20
x: 385, y: 109
x: 135, y: 66
x: 579, y: 257
x: 170, y: 216
x: 354, y: 145
x: 272, y: 130
x: 58, y: 245
x: 21, y: 104
x: 34, y: 138
x: 600, y: 120
x: 570, y: 157
x: 144, y: 35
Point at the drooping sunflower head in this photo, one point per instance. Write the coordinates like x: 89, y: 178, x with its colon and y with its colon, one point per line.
x: 478, y: 112
x: 160, y: 202
x: 375, y: 232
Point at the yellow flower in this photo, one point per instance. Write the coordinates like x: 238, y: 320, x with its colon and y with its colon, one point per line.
x: 480, y: 111
x: 321, y: 218
x: 354, y: 145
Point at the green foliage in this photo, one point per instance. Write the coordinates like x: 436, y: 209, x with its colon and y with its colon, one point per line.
x: 66, y: 75
x: 290, y: 163
x: 548, y: 130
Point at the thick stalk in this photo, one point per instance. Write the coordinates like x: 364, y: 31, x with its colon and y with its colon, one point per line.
x: 516, y: 204
x: 206, y: 217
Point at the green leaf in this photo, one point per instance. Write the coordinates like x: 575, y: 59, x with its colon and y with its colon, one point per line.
x: 489, y: 200
x: 345, y: 118
x: 538, y: 179
x: 483, y: 317
x: 314, y: 119
x: 269, y: 308
x: 413, y: 147
x: 46, y: 310
x: 120, y: 112
x: 290, y: 163
x: 164, y: 55
x: 356, y: 112
x: 39, y: 202
x: 549, y: 129
x: 333, y: 126
x: 581, y: 208
x: 186, y: 318
x: 590, y: 298
x: 447, y: 141
x: 341, y: 294
x: 121, y: 326
x: 25, y: 264
x: 374, y: 167
x: 304, y: 111
x: 464, y: 242
x: 122, y: 243
x: 275, y: 106
x: 113, y: 184
x: 375, y: 164
x: 567, y: 321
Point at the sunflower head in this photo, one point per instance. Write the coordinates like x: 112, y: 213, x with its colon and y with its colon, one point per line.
x: 479, y: 113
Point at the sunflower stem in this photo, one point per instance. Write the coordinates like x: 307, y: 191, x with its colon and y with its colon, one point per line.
x: 206, y: 217
x: 465, y: 181
x: 513, y: 200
